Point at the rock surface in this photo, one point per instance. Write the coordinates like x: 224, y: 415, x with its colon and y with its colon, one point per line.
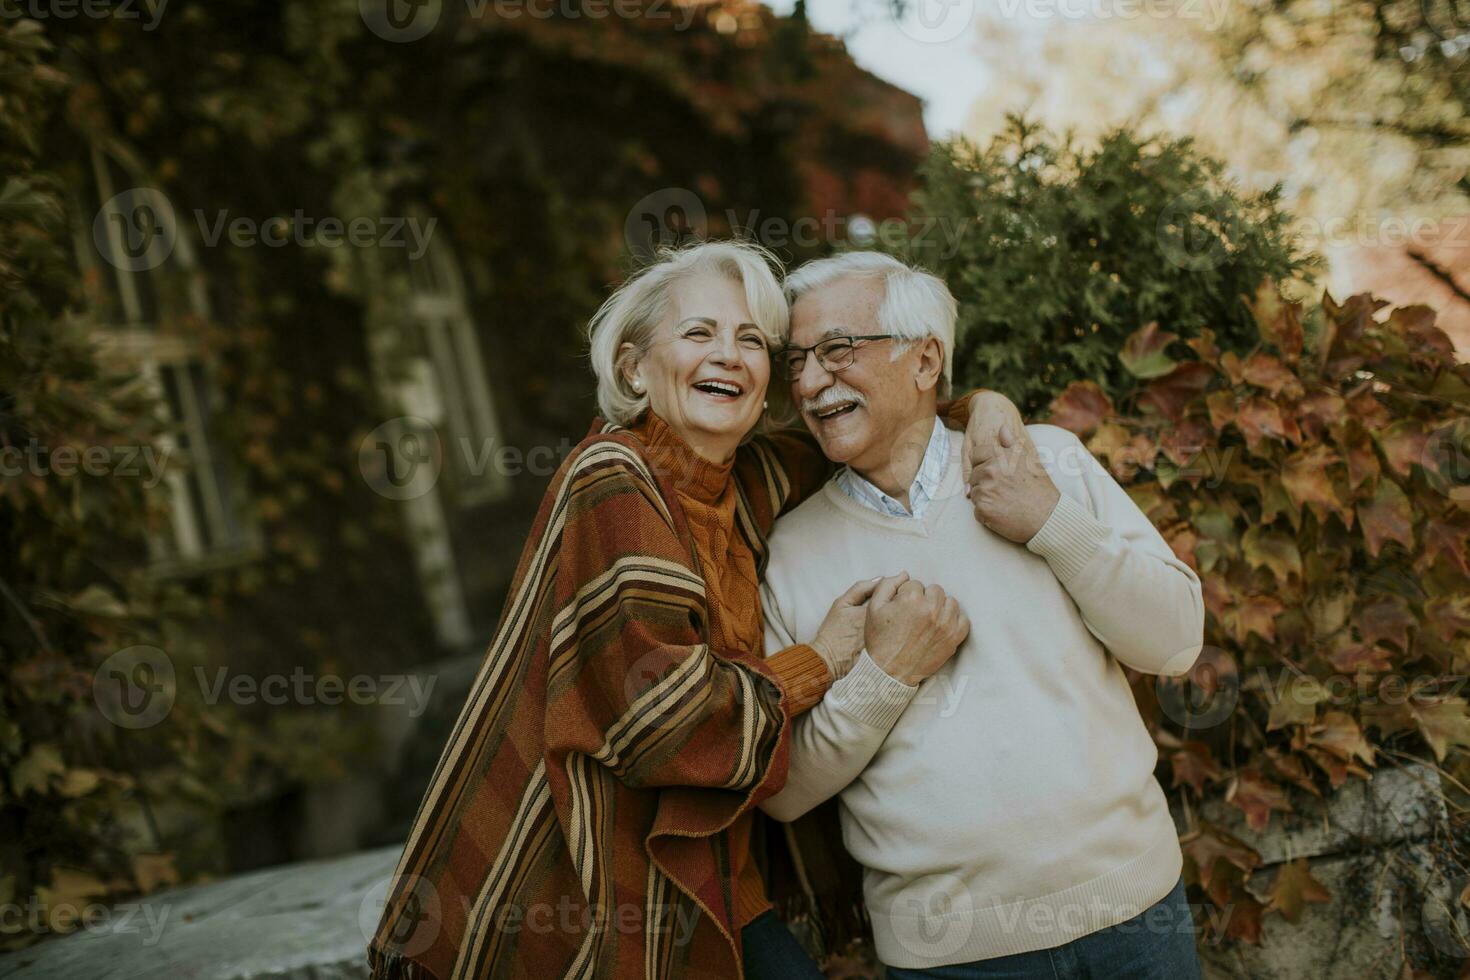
x: 1367, y: 845
x: 307, y: 921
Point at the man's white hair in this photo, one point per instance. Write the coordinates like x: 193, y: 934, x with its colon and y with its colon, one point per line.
x: 631, y: 315
x: 916, y: 303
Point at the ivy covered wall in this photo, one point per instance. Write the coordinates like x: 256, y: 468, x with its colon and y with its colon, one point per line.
x: 177, y: 192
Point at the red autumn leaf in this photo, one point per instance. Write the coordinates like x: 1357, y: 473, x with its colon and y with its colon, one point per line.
x: 1143, y: 352
x: 1150, y: 498
x: 1255, y: 614
x: 1387, y: 517
x: 1245, y: 919
x: 1339, y: 734
x: 1289, y: 766
x: 1125, y: 452
x: 1265, y: 371
x: 1449, y: 615
x: 1304, y: 474
x: 1335, y: 768
x: 1233, y: 367
x: 1369, y: 411
x: 1193, y: 765
x: 1168, y: 396
x: 1208, y: 844
x: 1204, y: 346
x: 1446, y: 543
x: 1280, y: 322
x: 1293, y: 888
x: 1348, y: 657
x: 1222, y: 408
x: 1256, y: 796
x: 1342, y: 328
x: 1416, y: 324
x: 1385, y: 618
x: 1182, y: 540
x: 1218, y: 597
x: 1403, y: 446
x: 1327, y: 407
x: 1081, y: 407
x: 1444, y: 724
x: 1183, y: 442
x: 1362, y: 461
x: 1259, y: 418
x: 1275, y: 550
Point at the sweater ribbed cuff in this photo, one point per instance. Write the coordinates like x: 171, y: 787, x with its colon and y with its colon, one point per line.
x: 871, y: 695
x: 803, y: 675
x: 1069, y: 538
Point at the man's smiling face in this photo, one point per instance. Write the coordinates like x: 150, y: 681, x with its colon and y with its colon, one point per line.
x: 857, y: 413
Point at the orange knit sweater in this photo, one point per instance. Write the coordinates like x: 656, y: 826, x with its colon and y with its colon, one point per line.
x: 706, y: 491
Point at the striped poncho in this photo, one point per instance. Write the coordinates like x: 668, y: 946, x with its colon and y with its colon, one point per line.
x: 575, y: 825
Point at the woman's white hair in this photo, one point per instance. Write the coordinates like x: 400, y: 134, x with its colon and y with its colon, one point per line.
x: 633, y: 312
x: 916, y: 303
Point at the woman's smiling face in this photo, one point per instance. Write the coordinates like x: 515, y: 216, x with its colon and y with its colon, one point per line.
x: 708, y: 366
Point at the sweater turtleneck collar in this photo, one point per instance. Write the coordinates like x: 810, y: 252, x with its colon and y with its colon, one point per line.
x: 676, y: 460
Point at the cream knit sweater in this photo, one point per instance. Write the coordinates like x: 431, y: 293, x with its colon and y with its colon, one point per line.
x: 1008, y: 803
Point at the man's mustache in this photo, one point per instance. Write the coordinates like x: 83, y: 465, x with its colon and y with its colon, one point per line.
x: 835, y: 395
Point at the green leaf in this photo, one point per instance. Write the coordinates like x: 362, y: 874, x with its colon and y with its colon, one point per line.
x: 1276, y: 550
x: 1143, y: 352
x: 35, y: 772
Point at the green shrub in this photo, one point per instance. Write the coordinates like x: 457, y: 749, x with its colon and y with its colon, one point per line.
x: 1056, y: 253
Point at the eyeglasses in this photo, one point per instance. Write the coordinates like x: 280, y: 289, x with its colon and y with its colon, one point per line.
x: 834, y: 354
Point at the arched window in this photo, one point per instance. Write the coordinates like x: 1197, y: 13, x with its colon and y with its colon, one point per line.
x: 143, y: 288
x: 438, y: 306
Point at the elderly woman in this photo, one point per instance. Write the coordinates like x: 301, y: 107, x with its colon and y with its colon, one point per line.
x: 591, y: 814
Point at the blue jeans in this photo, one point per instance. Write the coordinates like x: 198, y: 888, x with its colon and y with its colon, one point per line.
x: 771, y: 952
x: 1156, y: 944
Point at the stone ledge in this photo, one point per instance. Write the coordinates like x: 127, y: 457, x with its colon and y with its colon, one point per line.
x: 306, y: 921
x: 1398, y: 804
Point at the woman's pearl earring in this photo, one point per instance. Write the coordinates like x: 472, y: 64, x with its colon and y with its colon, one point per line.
x: 765, y: 405
x: 637, y: 385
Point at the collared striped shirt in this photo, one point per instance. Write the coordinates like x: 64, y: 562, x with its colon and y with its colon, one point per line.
x: 921, y: 492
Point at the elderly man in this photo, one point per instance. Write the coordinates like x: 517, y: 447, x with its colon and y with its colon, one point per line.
x: 1004, y: 808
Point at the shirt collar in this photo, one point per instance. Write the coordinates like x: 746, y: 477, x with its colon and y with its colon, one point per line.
x: 924, y: 488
